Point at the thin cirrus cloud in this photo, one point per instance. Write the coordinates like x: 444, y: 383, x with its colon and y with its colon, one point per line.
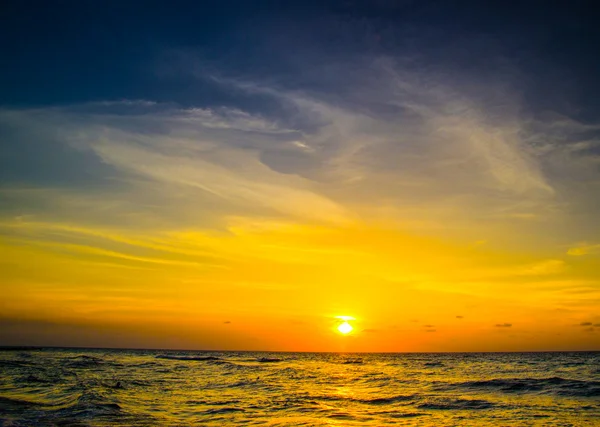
x: 432, y: 156
x: 443, y: 162
x: 437, y: 160
x: 584, y: 249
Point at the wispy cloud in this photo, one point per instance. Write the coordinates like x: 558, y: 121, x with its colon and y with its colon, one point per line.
x: 389, y: 182
x: 584, y: 249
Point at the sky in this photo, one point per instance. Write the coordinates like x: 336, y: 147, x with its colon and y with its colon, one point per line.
x: 251, y: 175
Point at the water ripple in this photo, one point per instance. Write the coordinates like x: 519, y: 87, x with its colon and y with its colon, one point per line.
x: 61, y: 387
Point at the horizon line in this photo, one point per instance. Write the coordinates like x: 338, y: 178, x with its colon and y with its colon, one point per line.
x: 37, y: 347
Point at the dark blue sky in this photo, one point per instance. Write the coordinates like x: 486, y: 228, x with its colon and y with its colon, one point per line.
x: 78, y: 51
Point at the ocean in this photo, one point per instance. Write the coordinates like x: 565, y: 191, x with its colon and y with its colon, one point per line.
x: 84, y: 387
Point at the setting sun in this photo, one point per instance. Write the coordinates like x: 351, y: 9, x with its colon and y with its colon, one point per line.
x: 345, y: 328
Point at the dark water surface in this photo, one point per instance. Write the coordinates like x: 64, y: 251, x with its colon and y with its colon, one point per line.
x: 77, y: 387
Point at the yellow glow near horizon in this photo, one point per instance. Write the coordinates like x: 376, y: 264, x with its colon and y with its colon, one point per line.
x: 161, y: 290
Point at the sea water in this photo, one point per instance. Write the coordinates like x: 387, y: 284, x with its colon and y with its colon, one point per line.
x: 82, y: 387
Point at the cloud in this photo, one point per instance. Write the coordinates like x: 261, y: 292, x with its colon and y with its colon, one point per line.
x: 215, y: 152
x: 253, y: 184
x: 585, y: 324
x: 584, y: 249
x: 503, y: 325
x: 546, y: 267
x: 393, y: 177
x: 430, y: 330
x: 397, y: 147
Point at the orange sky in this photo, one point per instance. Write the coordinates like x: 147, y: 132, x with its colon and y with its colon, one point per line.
x: 222, y: 229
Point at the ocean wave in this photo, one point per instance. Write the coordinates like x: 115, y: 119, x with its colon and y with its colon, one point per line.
x: 226, y: 410
x: 190, y: 358
x: 395, y: 414
x: 269, y: 360
x: 433, y: 364
x: 83, y: 361
x: 35, y: 379
x: 237, y: 384
x: 386, y: 400
x: 367, y: 401
x: 8, y: 403
x: 378, y: 379
x: 218, y: 388
x: 352, y: 362
x: 137, y: 383
x: 14, y: 363
x: 74, y: 401
x: 457, y: 404
x: 143, y: 365
x: 341, y: 416
x: 556, y: 385
x: 234, y: 368
x: 93, y: 403
x: 212, y: 403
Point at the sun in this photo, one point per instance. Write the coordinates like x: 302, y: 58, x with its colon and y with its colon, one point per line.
x: 345, y: 328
